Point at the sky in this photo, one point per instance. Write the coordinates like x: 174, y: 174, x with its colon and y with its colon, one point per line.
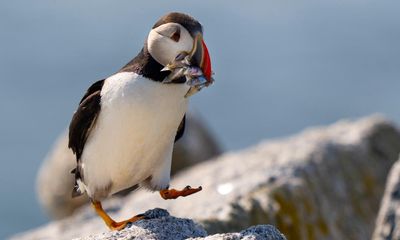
x: 280, y: 66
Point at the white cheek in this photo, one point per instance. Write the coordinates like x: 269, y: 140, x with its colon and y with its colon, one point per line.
x: 154, y: 40
x: 164, y: 50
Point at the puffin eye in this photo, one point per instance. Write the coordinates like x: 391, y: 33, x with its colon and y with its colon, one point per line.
x: 176, y: 35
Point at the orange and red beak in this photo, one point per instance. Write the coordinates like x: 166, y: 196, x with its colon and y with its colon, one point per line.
x: 202, y: 57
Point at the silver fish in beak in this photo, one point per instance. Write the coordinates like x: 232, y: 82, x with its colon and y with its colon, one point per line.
x: 195, y: 66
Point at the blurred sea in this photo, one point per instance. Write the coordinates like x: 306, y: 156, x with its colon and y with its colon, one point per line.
x: 280, y: 66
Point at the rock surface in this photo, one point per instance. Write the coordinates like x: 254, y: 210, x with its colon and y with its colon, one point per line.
x: 325, y: 183
x: 54, y: 182
x: 388, y: 221
x: 160, y: 225
x: 259, y: 232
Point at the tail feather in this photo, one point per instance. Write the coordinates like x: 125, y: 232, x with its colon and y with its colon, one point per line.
x: 76, y: 191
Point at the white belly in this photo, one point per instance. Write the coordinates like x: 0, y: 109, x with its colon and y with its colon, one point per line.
x: 134, y: 133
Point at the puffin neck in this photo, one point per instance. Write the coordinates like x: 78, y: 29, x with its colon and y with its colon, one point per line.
x: 144, y: 64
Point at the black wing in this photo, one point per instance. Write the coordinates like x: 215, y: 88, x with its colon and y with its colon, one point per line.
x: 81, y: 124
x: 84, y: 119
x: 181, y: 129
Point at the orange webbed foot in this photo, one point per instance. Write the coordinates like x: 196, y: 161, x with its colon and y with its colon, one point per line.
x: 173, y: 193
x: 111, y: 224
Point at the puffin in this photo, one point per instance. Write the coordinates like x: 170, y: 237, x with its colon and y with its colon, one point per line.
x: 125, y: 126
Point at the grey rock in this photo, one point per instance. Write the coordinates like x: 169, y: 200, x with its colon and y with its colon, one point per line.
x: 324, y: 183
x: 159, y: 225
x: 388, y: 221
x: 55, y: 182
x: 259, y: 232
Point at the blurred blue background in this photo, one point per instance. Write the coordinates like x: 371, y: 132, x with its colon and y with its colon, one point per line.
x: 280, y: 66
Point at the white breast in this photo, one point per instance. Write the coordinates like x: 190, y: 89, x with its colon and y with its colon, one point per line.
x: 134, y: 133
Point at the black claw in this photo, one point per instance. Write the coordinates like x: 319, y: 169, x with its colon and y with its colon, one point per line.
x: 128, y: 225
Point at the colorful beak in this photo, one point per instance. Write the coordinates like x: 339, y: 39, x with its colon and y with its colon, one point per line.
x: 201, y: 57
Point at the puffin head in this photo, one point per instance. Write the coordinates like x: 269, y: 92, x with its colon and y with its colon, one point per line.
x: 175, y: 33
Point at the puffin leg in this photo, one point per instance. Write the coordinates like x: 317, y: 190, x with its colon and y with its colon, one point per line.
x: 173, y: 194
x: 111, y: 224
